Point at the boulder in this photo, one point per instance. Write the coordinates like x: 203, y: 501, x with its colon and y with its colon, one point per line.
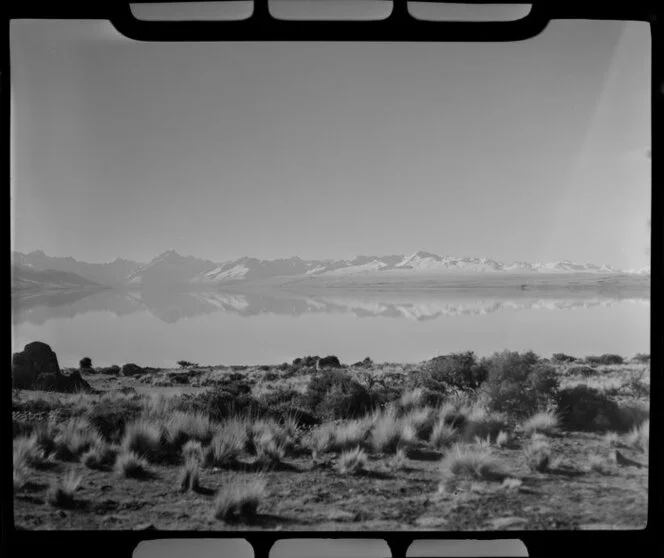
x: 36, y: 359
x: 131, y: 369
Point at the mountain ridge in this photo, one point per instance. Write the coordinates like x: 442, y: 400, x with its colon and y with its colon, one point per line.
x: 171, y: 268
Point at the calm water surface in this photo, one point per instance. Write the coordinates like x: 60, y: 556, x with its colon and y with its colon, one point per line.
x: 160, y: 328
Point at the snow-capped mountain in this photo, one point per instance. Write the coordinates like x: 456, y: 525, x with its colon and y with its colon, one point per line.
x: 108, y: 273
x: 171, y: 268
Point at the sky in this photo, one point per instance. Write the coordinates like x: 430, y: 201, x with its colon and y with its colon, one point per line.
x: 534, y: 150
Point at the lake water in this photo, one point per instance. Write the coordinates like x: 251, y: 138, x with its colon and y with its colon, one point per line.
x: 159, y: 328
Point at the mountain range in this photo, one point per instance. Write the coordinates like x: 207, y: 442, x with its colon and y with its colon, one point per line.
x: 36, y: 270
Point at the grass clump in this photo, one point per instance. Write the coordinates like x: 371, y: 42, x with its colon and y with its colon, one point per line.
x: 193, y: 450
x: 538, y: 455
x: 100, y: 456
x: 443, y: 434
x: 605, y: 359
x: 545, y: 422
x: 502, y: 439
x: 75, y: 437
x: 389, y: 432
x: 27, y: 452
x: 228, y: 444
x: 240, y: 501
x: 61, y: 492
x: 639, y: 437
x: 352, y: 461
x: 130, y: 465
x: 143, y: 437
x: 471, y: 462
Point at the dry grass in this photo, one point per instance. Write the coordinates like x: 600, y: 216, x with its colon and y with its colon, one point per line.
x: 352, y: 461
x: 322, y: 439
x: 545, y: 422
x: 411, y: 399
x: 389, y: 433
x: 143, y: 437
x: 538, y: 455
x: 182, y: 427
x: 443, y: 434
x: 470, y: 462
x: 639, y: 437
x: 240, y: 500
x: 599, y: 464
x: 75, y: 437
x: 270, y: 448
x: 228, y: 444
x: 61, y: 492
x: 422, y: 420
x: 132, y: 466
x: 100, y: 456
x: 27, y: 452
x: 398, y: 461
x: 478, y: 421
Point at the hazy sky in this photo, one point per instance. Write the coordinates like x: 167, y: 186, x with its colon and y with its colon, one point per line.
x: 533, y: 150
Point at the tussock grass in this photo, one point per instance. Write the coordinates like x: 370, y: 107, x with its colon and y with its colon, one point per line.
x: 183, y: 426
x: 422, y: 420
x: 545, y: 422
x: 189, y: 477
x: 398, y: 461
x: 411, y: 399
x: 46, y: 433
x: 480, y: 422
x: 443, y: 434
x: 612, y: 439
x: 74, y: 438
x: 61, y: 492
x: 538, y: 455
x: 352, y: 461
x: 100, y: 456
x: 27, y: 452
x: 471, y: 462
x: 143, y: 437
x: 322, y: 439
x: 389, y: 433
x: 132, y: 466
x: 639, y: 437
x: 228, y: 444
x: 240, y: 500
x: 270, y: 448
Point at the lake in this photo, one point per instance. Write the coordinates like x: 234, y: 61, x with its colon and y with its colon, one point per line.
x: 158, y: 328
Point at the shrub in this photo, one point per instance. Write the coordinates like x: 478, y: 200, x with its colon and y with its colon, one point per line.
x: 502, y: 439
x: 132, y: 466
x: 584, y: 408
x: 109, y: 418
x: 352, y: 461
x: 188, y: 478
x: 422, y: 421
x: 605, y: 359
x: 473, y: 463
x: 85, y: 363
x: 411, y: 399
x: 240, y: 500
x: 99, y: 456
x: 641, y: 357
x: 585, y: 371
x: 334, y: 394
x: 538, y: 455
x: 186, y: 364
x: 545, y: 422
x: 460, y: 370
x: 519, y: 384
x: 562, y: 357
x: 61, y: 492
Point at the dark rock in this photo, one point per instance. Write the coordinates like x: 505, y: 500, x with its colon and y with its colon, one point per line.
x: 131, y: 369
x: 36, y: 358
x: 366, y: 363
x: 329, y: 362
x: 47, y: 382
x: 85, y: 363
x: 61, y: 383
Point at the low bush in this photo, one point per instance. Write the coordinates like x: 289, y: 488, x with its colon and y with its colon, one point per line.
x: 587, y: 409
x: 605, y: 359
x: 459, y: 370
x: 334, y: 394
x: 562, y: 357
x: 642, y: 358
x: 109, y: 418
x: 519, y: 384
x: 538, y: 455
x: 585, y: 371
